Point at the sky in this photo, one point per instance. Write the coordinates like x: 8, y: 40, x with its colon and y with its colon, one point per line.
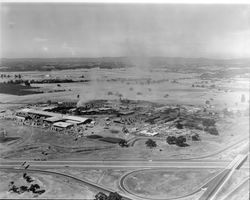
x: 42, y: 30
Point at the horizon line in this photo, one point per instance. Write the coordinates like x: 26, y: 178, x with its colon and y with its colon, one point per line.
x: 77, y: 57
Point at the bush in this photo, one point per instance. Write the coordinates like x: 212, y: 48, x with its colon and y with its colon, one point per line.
x: 212, y: 130
x: 114, y: 196
x: 181, y: 141
x: 196, y: 137
x: 27, y: 83
x: 150, y: 143
x: 171, y: 140
x: 179, y: 126
x: 208, y: 122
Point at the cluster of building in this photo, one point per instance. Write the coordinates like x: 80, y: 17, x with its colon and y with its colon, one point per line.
x: 55, y: 120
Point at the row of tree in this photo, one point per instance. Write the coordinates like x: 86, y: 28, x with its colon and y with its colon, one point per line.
x: 111, y: 196
x: 179, y: 141
x: 8, y: 76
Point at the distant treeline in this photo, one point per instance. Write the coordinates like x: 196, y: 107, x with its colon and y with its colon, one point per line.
x: 50, y: 64
x: 26, y: 82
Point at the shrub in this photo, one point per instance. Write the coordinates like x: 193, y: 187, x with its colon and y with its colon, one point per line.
x: 181, y: 141
x: 150, y: 143
x: 208, y: 122
x: 212, y: 130
x: 179, y: 126
x: 171, y: 140
x: 196, y: 137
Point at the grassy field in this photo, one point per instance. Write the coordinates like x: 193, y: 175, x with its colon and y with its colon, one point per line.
x: 55, y: 187
x: 162, y: 184
x: 103, y: 81
x: 16, y: 89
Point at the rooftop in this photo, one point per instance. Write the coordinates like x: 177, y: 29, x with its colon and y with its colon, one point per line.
x: 62, y: 124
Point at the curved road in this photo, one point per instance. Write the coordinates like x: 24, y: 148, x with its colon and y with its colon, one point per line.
x: 132, y: 141
x: 125, y: 189
x: 86, y: 182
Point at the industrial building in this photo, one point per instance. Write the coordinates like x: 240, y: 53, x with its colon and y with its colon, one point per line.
x: 54, y: 119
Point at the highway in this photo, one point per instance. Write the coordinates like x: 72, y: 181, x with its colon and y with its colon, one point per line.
x: 45, y: 166
x: 123, y: 164
x: 237, y: 189
x: 216, y: 185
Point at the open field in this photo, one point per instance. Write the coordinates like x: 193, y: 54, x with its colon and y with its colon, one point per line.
x: 14, y: 89
x: 55, y: 186
x: 162, y: 184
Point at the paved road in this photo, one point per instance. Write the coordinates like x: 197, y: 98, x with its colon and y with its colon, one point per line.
x: 44, y: 166
x: 121, y: 164
x: 237, y: 190
x: 98, y: 187
x: 125, y: 189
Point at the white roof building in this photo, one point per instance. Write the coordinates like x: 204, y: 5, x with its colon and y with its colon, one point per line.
x: 145, y: 132
x: 62, y: 124
x: 55, y: 117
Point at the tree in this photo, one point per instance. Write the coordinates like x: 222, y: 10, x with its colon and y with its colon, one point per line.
x: 23, y: 188
x: 150, y: 143
x: 101, y: 196
x: 14, y: 189
x: 181, y: 141
x: 208, y: 122
x: 196, y: 137
x: 123, y: 143
x: 171, y: 140
x: 27, y: 83
x: 179, y: 125
x: 212, y: 130
x: 114, y: 196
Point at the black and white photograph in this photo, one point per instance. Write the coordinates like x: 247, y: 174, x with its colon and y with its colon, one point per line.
x: 124, y: 101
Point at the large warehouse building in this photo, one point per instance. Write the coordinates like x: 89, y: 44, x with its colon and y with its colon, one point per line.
x: 55, y: 119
